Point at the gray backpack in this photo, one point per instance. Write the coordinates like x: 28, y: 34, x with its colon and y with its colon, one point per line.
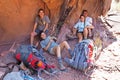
x: 80, y: 56
x: 26, y: 50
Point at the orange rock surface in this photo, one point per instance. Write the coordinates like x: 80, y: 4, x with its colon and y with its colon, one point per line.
x: 17, y: 16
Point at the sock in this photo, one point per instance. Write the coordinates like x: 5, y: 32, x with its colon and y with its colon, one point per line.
x: 61, y: 66
x: 70, y: 52
x: 85, y: 38
x: 59, y: 60
x: 33, y: 46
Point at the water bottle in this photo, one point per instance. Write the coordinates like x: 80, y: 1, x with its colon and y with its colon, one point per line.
x: 27, y: 77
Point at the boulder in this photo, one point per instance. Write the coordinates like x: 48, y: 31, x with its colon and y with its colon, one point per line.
x: 17, y: 16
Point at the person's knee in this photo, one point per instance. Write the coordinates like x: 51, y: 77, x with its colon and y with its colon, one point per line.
x: 90, y: 27
x: 33, y: 34
x: 85, y: 30
x: 58, y: 51
x: 64, y: 42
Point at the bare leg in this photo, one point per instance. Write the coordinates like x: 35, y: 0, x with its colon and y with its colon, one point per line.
x: 57, y: 50
x: 89, y: 30
x: 80, y: 37
x: 85, y: 32
x: 64, y: 44
x: 33, y: 34
x: 90, y: 34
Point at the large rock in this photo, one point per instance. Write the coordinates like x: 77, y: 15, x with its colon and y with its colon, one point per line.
x: 17, y: 16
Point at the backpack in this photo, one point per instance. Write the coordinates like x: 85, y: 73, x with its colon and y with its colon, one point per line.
x: 82, y: 53
x: 25, y: 51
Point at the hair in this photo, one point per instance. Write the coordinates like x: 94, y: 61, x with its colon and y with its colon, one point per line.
x: 81, y: 16
x: 40, y: 10
x: 84, y: 11
x: 39, y: 35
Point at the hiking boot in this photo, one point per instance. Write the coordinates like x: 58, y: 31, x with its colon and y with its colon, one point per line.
x: 50, y: 70
x: 62, y: 67
x: 34, y: 49
x: 71, y: 52
x: 71, y: 36
x: 68, y: 61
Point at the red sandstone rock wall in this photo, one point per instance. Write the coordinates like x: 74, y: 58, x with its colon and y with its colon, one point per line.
x: 17, y: 16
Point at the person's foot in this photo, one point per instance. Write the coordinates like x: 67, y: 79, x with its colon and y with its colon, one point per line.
x: 71, y: 52
x: 68, y: 61
x: 62, y: 67
x: 90, y: 35
x: 33, y: 48
x: 71, y: 36
x: 50, y: 70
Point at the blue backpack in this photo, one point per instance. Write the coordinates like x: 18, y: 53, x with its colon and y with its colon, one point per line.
x: 80, y: 56
x: 26, y: 50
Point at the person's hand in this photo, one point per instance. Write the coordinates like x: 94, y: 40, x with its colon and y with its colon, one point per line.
x: 51, y: 40
x: 54, y: 39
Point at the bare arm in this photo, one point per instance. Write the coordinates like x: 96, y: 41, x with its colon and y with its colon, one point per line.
x: 54, y: 38
x: 46, y: 27
x: 48, y: 45
x: 36, y: 45
x: 74, y: 31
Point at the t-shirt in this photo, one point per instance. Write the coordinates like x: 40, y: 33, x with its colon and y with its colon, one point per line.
x: 45, y: 42
x: 80, y: 26
x: 88, y: 21
x: 41, y: 22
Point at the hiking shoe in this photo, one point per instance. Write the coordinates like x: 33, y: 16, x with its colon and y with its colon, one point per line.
x: 68, y: 61
x: 50, y: 70
x: 71, y: 36
x: 62, y: 68
x: 34, y: 50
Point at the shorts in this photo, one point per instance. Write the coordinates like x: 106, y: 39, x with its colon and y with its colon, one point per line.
x: 38, y: 31
x: 51, y: 51
x: 79, y: 31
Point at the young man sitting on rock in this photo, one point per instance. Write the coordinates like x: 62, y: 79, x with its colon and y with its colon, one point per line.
x: 88, y: 21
